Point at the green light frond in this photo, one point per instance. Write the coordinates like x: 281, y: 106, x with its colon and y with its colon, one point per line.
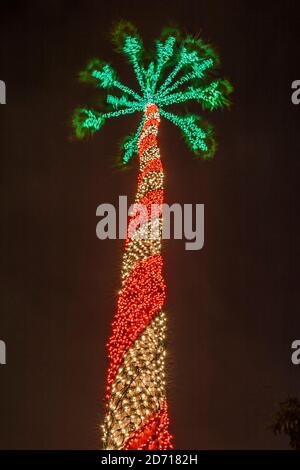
x: 204, y: 50
x: 123, y: 102
x: 102, y: 75
x: 165, y: 51
x: 120, y: 31
x: 197, y: 71
x: 106, y: 77
x: 210, y: 97
x: 171, y: 30
x: 181, y: 70
x: 215, y: 95
x: 133, y: 49
x: 86, y: 121
x: 196, y: 132
x: 150, y: 76
x: 129, y: 145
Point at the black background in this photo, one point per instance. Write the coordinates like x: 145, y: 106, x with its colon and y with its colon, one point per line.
x: 233, y: 307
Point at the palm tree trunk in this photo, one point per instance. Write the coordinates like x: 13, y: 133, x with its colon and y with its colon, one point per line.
x: 137, y: 415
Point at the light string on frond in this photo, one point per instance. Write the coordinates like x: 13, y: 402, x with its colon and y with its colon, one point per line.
x: 181, y: 72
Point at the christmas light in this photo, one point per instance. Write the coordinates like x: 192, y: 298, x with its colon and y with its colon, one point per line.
x: 182, y: 70
x: 136, y: 377
x: 194, y: 61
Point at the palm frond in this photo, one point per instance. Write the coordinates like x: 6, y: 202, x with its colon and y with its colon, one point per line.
x: 178, y: 70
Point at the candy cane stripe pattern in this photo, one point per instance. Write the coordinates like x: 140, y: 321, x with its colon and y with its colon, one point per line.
x: 137, y: 411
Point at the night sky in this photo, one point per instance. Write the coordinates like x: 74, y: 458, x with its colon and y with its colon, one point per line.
x: 233, y: 307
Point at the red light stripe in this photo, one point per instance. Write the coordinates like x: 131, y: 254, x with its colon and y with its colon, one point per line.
x: 152, y: 200
x: 150, y: 122
x: 153, y: 435
x: 148, y: 141
x: 142, y: 296
x: 152, y: 165
x: 151, y: 108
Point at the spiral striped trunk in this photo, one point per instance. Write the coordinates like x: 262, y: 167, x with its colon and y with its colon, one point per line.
x: 137, y: 414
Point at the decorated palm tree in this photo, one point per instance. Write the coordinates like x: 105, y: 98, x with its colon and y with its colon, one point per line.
x: 180, y: 70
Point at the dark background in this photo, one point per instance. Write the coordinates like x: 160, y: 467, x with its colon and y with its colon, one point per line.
x: 233, y: 307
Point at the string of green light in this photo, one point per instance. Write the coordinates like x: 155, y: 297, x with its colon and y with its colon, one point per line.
x: 190, y: 63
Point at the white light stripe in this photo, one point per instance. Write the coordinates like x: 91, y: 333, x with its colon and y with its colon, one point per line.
x: 151, y: 181
x: 139, y: 385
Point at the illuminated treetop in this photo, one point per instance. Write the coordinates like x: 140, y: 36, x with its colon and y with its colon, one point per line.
x: 181, y: 70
